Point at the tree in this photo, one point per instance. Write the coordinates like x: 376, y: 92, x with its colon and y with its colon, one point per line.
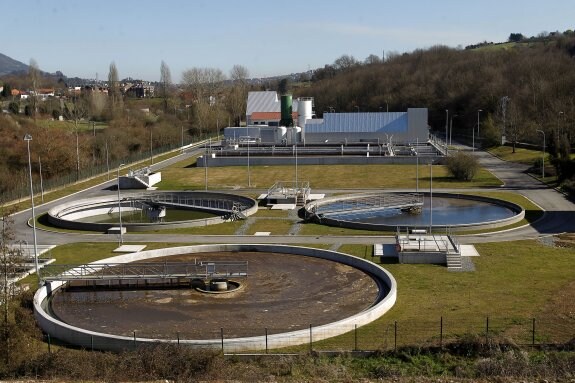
x: 114, y: 93
x: 34, y: 73
x: 165, y: 84
x: 515, y: 37
x: 237, y: 97
x: 14, y: 107
x: 205, y: 85
x: 283, y: 86
x: 345, y: 62
x: 10, y: 260
x: 6, y: 91
x: 490, y: 134
x: 373, y: 59
x: 76, y: 110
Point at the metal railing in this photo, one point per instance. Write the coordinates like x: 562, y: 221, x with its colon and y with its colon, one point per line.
x: 134, y: 271
x: 370, y: 202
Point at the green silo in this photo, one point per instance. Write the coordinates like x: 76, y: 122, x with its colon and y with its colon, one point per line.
x: 286, y: 110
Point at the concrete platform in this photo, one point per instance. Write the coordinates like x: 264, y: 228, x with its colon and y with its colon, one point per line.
x: 283, y: 206
x: 262, y: 233
x: 468, y: 251
x: 129, y: 248
x: 116, y: 230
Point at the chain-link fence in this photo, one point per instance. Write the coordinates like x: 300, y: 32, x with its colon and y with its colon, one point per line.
x: 384, y: 336
x: 21, y: 186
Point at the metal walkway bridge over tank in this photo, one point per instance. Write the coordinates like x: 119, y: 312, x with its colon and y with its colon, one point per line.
x: 368, y: 202
x: 186, y: 201
x: 146, y: 271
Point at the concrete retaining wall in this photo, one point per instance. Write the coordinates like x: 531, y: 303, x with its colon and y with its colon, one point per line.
x: 435, y: 258
x: 520, y: 214
x: 102, y: 341
x: 331, y: 160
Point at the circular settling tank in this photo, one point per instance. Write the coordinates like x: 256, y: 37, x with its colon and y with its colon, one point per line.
x: 439, y: 210
x: 151, y: 211
x: 287, y: 290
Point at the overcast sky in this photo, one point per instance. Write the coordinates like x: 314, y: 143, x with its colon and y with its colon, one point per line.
x: 81, y: 37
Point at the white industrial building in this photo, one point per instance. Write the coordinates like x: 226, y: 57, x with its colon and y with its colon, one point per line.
x: 266, y: 116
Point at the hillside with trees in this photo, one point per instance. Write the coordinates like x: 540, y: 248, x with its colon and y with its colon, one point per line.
x: 520, y: 87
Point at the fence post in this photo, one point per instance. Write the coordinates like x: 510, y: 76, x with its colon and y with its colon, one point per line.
x: 178, y: 337
x: 222, y: 337
x: 533, y: 332
x: 49, y: 345
x: 134, y: 339
x: 486, y: 330
x: 441, y: 333
x: 395, y: 336
x: 310, y: 340
x: 266, y: 340
x: 92, y: 342
x: 355, y: 338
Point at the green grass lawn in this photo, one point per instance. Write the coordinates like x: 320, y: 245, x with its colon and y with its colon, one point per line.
x: 274, y: 226
x: 521, y: 155
x: 512, y: 284
x: 226, y: 228
x: 185, y: 175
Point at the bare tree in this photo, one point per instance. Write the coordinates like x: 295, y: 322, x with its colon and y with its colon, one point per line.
x: 114, y: 93
x: 165, y: 84
x: 76, y: 111
x: 205, y: 84
x: 10, y: 260
x: 237, y: 97
x: 34, y: 73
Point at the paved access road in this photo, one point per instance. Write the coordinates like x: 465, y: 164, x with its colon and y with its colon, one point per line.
x: 559, y: 217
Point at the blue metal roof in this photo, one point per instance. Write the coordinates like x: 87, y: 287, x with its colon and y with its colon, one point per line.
x: 392, y: 122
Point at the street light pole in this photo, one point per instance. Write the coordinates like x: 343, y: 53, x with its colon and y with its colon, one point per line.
x: 151, y: 149
x: 446, y: 128
x: 479, y: 111
x: 430, y: 196
x: 543, y: 158
x: 451, y: 127
x: 120, y: 206
x: 249, y: 172
x: 28, y: 138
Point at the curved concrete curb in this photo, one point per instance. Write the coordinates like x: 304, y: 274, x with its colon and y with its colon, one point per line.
x: 66, y: 215
x: 90, y: 339
x: 520, y: 214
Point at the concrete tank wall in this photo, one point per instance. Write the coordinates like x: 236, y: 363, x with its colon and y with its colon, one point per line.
x: 84, y: 338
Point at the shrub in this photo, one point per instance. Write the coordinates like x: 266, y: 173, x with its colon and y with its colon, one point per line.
x: 569, y: 187
x: 462, y: 166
